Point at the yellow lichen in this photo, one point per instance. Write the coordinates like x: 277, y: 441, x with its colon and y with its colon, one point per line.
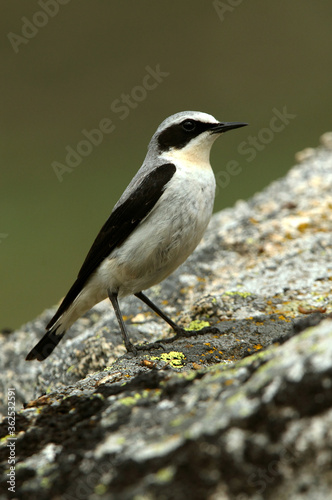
x: 173, y: 358
x: 197, y: 325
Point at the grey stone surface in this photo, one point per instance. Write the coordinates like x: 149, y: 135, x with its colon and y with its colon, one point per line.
x: 241, y: 413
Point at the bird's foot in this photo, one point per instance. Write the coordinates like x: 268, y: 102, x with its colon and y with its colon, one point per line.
x: 143, y: 347
x: 152, y: 345
x: 131, y: 348
x: 181, y: 333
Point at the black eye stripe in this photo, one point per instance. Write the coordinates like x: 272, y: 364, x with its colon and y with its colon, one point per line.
x: 180, y: 134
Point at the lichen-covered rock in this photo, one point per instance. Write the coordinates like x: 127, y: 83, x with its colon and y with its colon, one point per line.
x: 244, y: 412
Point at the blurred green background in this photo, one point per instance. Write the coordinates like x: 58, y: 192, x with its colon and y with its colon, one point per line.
x: 235, y: 62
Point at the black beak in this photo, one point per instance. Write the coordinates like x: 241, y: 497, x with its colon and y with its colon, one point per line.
x: 219, y: 128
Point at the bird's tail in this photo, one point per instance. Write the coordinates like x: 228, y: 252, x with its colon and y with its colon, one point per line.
x: 46, y: 345
x: 77, y: 302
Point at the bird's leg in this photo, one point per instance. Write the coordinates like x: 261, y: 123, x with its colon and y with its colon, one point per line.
x: 147, y: 301
x: 179, y: 332
x: 114, y: 299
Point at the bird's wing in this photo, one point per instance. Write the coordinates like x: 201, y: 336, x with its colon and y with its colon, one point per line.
x: 124, y: 218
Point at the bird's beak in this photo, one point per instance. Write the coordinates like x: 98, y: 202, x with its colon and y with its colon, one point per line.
x: 219, y: 128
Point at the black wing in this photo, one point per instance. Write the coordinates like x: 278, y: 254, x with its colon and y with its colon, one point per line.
x: 122, y: 221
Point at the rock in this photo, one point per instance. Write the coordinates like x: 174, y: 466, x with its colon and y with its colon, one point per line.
x: 244, y: 412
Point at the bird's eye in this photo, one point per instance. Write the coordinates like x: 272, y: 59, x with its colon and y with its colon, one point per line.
x: 188, y: 125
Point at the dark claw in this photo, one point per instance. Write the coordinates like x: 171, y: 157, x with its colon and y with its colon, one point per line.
x: 181, y: 333
x: 131, y: 348
x: 153, y: 345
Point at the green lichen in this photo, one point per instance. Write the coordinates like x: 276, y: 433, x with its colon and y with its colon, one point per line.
x: 177, y: 421
x: 165, y: 475
x: 46, y: 483
x: 240, y: 401
x: 197, y: 325
x: 130, y: 400
x: 240, y: 294
x: 97, y: 395
x: 5, y: 438
x: 100, y: 489
x: 121, y: 440
x: 191, y: 375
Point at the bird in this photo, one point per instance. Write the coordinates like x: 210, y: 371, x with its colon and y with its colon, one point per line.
x: 153, y: 228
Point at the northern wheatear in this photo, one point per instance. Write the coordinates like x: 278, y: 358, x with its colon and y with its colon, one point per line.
x: 153, y: 228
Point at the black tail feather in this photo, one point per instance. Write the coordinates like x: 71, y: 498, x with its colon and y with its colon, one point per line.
x: 45, y: 346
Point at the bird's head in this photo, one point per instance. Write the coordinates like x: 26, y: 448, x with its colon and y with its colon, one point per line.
x: 189, y: 135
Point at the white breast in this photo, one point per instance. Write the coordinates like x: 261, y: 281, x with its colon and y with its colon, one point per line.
x: 167, y: 236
